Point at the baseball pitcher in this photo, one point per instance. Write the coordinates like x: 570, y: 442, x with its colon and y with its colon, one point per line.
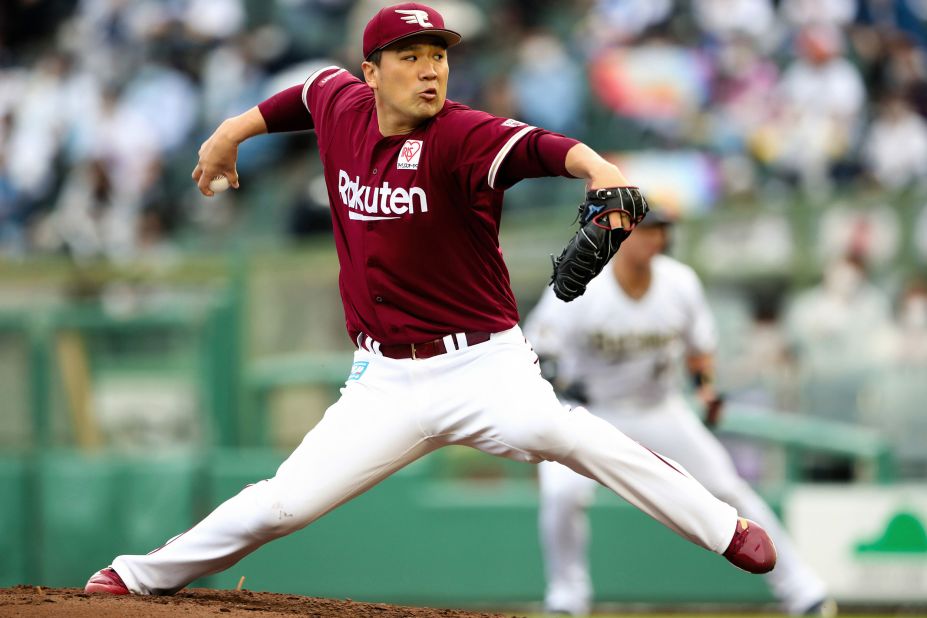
x: 415, y: 185
x: 618, y: 350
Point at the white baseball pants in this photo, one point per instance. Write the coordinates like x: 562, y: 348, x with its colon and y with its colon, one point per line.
x: 490, y: 396
x: 673, y: 430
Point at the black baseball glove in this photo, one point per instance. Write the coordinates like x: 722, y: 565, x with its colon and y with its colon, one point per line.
x: 595, y: 242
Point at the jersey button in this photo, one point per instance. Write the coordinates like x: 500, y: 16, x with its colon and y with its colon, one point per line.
x: 379, y: 299
x: 374, y: 170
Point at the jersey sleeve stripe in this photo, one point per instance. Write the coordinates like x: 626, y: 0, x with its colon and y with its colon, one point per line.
x: 497, y: 162
x: 311, y: 79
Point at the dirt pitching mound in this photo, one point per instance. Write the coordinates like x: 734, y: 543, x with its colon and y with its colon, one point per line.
x: 31, y: 601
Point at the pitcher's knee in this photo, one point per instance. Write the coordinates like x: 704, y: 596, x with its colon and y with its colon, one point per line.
x: 276, y: 522
x: 271, y: 515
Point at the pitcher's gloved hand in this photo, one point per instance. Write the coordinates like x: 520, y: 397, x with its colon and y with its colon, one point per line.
x: 596, y: 241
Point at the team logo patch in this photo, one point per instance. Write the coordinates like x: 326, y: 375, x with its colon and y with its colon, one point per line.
x: 409, y: 155
x: 358, y: 370
x: 594, y: 209
x: 415, y: 16
x: 513, y: 123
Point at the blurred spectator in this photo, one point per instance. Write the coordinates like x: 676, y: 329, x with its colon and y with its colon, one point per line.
x: 499, y: 99
x: 891, y: 62
x: 893, y: 400
x: 127, y: 141
x: 907, y: 16
x: 659, y: 83
x: 213, y: 19
x: 759, y: 370
x: 76, y: 223
x: 315, y: 27
x: 744, y: 82
x: 9, y: 198
x: 836, y: 332
x: 621, y: 21
x: 813, y: 12
x: 726, y: 19
x: 548, y: 85
x: 231, y: 80
x: 909, y: 343
x: 895, y: 147
x: 38, y: 127
x: 822, y: 99
x: 167, y: 99
x: 905, y: 70
x: 825, y: 321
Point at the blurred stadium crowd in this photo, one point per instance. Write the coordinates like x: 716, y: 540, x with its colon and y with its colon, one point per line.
x: 103, y: 104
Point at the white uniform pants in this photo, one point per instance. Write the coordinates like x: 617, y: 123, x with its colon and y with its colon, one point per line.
x: 672, y: 430
x: 490, y: 396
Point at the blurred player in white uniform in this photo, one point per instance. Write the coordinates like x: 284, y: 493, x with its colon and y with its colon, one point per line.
x: 617, y: 350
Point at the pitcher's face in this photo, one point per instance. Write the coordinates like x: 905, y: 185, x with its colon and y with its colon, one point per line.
x: 411, y: 79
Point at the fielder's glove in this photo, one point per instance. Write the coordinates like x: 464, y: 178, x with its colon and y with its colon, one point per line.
x: 574, y: 391
x: 595, y: 242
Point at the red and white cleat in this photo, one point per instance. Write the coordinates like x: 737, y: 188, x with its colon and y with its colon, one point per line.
x: 751, y: 549
x: 106, y: 581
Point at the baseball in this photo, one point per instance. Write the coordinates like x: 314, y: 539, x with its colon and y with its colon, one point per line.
x: 219, y: 184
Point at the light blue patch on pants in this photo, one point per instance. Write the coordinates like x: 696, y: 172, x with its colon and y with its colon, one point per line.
x: 357, y: 370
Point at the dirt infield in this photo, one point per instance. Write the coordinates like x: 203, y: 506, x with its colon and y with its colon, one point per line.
x: 29, y: 601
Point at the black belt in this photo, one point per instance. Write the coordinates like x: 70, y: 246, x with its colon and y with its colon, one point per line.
x: 435, y: 347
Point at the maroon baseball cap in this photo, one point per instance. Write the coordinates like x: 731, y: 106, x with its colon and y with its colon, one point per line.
x: 402, y: 20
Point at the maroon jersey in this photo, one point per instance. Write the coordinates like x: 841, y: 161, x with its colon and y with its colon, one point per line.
x: 416, y: 216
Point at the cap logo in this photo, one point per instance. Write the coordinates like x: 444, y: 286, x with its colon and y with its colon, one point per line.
x: 415, y: 16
